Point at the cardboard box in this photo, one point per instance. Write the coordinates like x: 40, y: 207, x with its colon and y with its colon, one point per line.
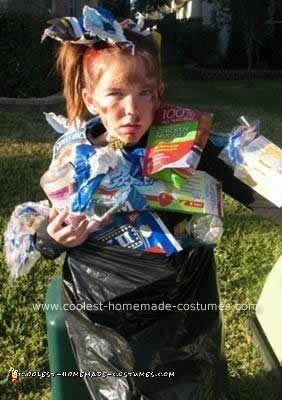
x: 201, y: 194
x: 262, y: 169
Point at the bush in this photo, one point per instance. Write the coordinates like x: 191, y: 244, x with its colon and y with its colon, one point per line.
x: 27, y: 65
x: 187, y: 41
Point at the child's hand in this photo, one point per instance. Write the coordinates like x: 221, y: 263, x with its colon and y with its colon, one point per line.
x: 68, y: 235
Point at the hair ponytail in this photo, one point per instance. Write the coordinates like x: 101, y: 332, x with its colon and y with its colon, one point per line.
x: 70, y: 67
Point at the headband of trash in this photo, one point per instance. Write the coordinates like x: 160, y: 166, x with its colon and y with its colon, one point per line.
x: 96, y: 25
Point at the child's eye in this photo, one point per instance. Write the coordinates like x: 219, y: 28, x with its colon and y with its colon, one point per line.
x: 146, y: 92
x: 115, y: 94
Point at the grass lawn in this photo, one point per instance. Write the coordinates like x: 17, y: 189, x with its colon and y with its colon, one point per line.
x: 245, y: 255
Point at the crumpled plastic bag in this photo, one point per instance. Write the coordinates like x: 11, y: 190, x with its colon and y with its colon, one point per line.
x: 19, y: 249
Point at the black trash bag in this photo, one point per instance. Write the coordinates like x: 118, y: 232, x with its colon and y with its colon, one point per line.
x: 186, y: 343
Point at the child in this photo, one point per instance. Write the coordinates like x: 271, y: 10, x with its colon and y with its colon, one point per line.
x: 124, y: 89
x: 121, y: 83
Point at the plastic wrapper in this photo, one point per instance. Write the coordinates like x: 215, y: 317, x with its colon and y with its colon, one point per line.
x: 176, y: 140
x: 240, y: 137
x: 124, y: 200
x: 144, y: 232
x: 95, y: 25
x: 64, y: 148
x: 129, y: 322
x: 19, y: 249
x: 100, y: 22
x: 72, y: 184
x: 91, y: 165
x: 107, y: 181
x: 61, y: 125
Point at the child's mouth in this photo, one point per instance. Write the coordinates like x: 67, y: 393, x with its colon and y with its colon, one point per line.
x: 130, y: 127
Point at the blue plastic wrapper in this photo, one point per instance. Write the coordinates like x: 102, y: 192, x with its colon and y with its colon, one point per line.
x: 66, y: 141
x: 107, y: 203
x: 135, y: 159
x: 97, y: 165
x: 96, y: 24
x: 90, y: 165
x: 143, y: 231
x: 85, y: 180
x: 101, y: 22
x: 128, y: 171
x: 19, y: 249
x: 240, y: 137
x: 118, y: 170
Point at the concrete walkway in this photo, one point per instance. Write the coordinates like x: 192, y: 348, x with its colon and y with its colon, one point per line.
x: 31, y: 103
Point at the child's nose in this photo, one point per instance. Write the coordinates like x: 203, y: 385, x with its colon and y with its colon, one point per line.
x: 131, y: 106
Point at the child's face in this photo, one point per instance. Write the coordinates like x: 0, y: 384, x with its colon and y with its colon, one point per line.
x: 125, y: 97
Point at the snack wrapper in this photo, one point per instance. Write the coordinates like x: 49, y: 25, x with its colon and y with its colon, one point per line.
x: 91, y: 165
x: 77, y: 167
x: 108, y: 203
x: 256, y: 161
x: 19, y: 249
x: 117, y: 191
x: 176, y: 140
x: 74, y: 184
x: 64, y: 148
x: 139, y: 231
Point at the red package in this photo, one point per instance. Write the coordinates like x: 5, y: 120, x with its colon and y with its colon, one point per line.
x: 176, y: 140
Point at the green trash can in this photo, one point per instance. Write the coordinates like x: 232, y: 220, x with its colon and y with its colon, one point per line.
x: 61, y: 358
